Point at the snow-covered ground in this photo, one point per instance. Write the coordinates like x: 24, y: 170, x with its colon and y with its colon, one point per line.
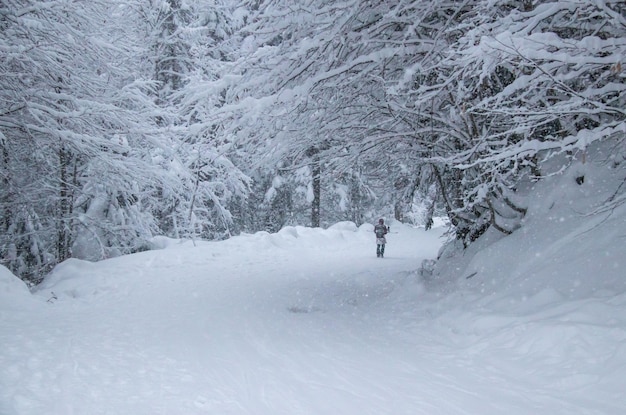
x: 309, y: 321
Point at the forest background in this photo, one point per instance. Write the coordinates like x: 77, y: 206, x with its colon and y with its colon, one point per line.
x: 125, y: 119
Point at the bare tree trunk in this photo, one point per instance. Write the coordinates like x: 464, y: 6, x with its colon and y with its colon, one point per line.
x: 446, y: 200
x: 6, y: 196
x: 317, y: 190
x: 64, y: 207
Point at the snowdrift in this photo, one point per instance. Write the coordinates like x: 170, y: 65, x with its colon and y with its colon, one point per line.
x: 13, y: 291
x: 548, y: 302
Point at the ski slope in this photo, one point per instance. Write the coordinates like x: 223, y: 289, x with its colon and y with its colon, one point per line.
x: 306, y: 321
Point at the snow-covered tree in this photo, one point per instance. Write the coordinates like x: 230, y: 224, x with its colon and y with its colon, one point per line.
x: 76, y: 134
x: 119, y: 119
x: 308, y: 90
x: 469, y: 97
x: 185, y: 50
x: 520, y: 83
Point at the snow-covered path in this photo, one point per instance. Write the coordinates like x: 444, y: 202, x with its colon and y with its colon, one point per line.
x: 259, y: 324
x: 301, y: 322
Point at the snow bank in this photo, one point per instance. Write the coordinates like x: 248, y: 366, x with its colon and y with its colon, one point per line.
x: 562, y: 246
x: 76, y: 278
x: 12, y: 290
x: 548, y: 302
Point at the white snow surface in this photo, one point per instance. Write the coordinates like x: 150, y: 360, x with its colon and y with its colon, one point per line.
x: 309, y: 321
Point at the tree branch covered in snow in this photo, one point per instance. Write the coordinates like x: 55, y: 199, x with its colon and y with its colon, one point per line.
x: 121, y: 120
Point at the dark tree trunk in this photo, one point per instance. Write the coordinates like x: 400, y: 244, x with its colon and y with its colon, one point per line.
x: 6, y: 196
x: 315, y: 205
x: 64, y: 207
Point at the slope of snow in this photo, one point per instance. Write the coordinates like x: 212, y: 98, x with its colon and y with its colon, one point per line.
x: 545, y: 306
x: 309, y: 321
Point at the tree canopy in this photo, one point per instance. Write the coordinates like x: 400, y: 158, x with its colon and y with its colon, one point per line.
x: 125, y: 119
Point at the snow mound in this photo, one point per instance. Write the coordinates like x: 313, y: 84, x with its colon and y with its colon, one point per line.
x: 566, y: 245
x: 76, y: 278
x: 12, y: 289
x: 73, y: 278
x: 297, y: 237
x: 548, y: 302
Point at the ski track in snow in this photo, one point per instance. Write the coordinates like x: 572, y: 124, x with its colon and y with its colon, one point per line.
x: 255, y: 325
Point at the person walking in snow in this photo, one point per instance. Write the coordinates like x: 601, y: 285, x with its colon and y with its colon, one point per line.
x: 380, y: 230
